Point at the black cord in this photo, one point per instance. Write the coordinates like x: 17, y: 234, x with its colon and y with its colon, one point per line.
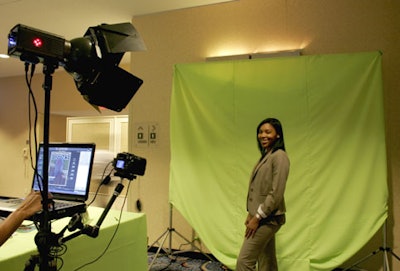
x: 31, y: 100
x: 32, y: 127
x: 105, y: 180
x: 112, y: 237
x: 56, y: 253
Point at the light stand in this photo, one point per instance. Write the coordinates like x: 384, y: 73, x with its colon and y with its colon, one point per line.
x: 168, y: 233
x: 44, y: 239
x: 44, y: 234
x: 385, y: 249
x: 92, y: 61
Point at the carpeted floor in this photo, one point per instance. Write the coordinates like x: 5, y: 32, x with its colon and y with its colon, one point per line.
x: 192, y: 262
x: 182, y: 262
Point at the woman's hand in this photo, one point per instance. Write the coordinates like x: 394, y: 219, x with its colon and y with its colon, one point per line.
x: 31, y: 204
x: 251, y: 226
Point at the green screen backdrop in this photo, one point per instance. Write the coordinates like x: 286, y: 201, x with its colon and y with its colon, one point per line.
x: 331, y: 108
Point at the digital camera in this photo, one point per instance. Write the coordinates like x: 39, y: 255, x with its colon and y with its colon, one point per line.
x: 128, y: 165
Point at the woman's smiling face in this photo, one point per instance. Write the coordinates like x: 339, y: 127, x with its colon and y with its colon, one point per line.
x: 267, y: 136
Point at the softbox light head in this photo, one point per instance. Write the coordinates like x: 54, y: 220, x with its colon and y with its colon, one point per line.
x: 117, y: 38
x: 111, y: 88
x: 92, y: 60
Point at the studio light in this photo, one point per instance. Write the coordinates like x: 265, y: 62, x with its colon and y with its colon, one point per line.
x: 92, y: 60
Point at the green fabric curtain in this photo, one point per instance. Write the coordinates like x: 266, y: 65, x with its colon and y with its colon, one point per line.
x: 331, y: 108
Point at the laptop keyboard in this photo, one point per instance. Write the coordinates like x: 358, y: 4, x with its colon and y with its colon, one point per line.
x: 13, y: 201
x: 60, y: 204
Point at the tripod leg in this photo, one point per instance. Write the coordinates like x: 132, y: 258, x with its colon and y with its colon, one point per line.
x: 364, y: 259
x: 161, y: 236
x: 193, y: 245
x: 394, y: 254
x: 168, y: 233
x: 165, y: 234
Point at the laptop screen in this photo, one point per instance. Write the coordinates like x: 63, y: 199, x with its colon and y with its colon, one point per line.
x: 70, y: 168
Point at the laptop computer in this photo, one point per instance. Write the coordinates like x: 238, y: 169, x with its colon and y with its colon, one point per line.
x: 70, y: 168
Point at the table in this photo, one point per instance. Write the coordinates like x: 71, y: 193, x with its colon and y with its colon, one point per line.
x: 128, y: 250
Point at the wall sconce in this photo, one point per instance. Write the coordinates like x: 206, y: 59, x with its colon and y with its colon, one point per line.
x: 296, y: 52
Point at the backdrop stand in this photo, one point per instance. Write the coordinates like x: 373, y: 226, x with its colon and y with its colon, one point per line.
x: 168, y: 234
x: 385, y: 249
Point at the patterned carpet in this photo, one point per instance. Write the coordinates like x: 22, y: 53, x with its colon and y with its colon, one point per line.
x: 183, y: 262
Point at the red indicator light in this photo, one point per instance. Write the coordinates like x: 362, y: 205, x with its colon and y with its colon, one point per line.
x: 37, y: 42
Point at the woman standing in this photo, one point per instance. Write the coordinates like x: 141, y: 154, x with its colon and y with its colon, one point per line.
x: 265, y: 200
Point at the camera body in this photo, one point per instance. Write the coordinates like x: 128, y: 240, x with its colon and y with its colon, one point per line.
x: 128, y: 165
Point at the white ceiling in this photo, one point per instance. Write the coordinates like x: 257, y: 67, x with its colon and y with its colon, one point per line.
x: 70, y: 19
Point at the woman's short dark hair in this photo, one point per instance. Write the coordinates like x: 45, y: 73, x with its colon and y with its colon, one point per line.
x: 279, y: 142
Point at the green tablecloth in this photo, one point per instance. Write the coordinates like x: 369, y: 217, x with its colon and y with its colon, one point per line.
x: 128, y: 250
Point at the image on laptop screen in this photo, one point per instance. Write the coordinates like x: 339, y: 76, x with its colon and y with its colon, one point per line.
x: 70, y: 168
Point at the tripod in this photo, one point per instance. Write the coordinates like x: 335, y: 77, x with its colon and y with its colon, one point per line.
x: 168, y: 233
x: 383, y: 249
